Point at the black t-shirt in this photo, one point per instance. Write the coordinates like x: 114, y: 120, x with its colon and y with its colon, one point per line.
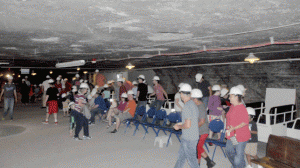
x: 143, y: 88
x: 52, y: 92
x: 253, y: 127
x: 203, y: 86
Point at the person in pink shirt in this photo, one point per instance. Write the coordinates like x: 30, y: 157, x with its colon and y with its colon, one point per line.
x: 115, y: 110
x: 160, y: 93
x: 238, y: 133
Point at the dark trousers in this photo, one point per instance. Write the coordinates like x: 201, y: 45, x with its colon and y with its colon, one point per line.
x: 81, y: 121
x: 95, y: 112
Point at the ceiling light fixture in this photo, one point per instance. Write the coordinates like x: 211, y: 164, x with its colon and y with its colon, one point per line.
x: 51, y: 72
x: 85, y: 72
x: 130, y: 66
x: 33, y: 73
x: 78, y: 69
x: 251, y: 58
x: 70, y: 64
x: 4, y: 63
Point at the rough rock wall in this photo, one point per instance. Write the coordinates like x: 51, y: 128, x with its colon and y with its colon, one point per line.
x: 255, y: 77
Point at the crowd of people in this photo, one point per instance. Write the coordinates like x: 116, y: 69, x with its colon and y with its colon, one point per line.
x: 198, y: 107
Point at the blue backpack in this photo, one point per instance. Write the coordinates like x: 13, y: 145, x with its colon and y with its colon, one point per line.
x: 151, y: 112
x: 216, y: 125
x: 174, y: 117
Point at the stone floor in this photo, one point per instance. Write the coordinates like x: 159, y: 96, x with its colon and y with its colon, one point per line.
x: 26, y: 142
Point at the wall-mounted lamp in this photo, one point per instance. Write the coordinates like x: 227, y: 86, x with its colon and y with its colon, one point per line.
x: 85, y: 72
x: 251, y: 58
x: 33, y: 73
x: 78, y: 69
x: 130, y: 66
x: 51, y: 72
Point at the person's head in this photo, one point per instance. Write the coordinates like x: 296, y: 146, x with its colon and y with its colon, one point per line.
x: 83, y: 88
x: 242, y: 88
x: 96, y: 71
x: 235, y: 96
x: 134, y: 83
x: 72, y: 105
x: 48, y: 77
x: 141, y: 78
x: 185, y: 92
x: 251, y: 113
x: 77, y: 76
x: 216, y: 90
x: 120, y: 81
x: 130, y: 95
x: 199, y: 77
x: 58, y: 80
x: 105, y: 86
x: 224, y: 93
x: 196, y: 95
x: 26, y: 77
x: 155, y: 80
x: 10, y: 79
x: 51, y: 82
x: 123, y: 97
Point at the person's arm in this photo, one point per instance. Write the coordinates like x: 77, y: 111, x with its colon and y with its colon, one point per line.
x: 152, y: 94
x: 210, y: 91
x: 166, y: 94
x: 201, y: 122
x: 46, y: 99
x: 15, y: 93
x: 187, y: 124
x: 177, y: 103
x: 137, y: 95
x: 1, y: 94
x: 231, y: 128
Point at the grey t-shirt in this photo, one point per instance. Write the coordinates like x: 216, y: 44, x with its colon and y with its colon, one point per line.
x: 9, y: 90
x: 190, y: 111
x: 202, y: 114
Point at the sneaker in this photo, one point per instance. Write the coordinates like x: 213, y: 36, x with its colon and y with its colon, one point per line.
x: 114, y: 131
x: 86, y: 137
x: 77, y: 139
x: 45, y: 122
x: 91, y: 124
x: 248, y: 166
x: 211, y: 164
x: 56, y: 123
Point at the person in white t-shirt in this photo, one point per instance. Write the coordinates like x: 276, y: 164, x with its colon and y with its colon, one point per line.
x: 45, y: 86
x: 178, y: 102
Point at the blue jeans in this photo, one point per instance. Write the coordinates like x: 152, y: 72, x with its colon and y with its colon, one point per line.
x: 141, y: 103
x: 81, y: 121
x: 187, y: 151
x: 205, y: 101
x: 157, y: 104
x: 235, y: 154
x: 94, y: 112
x: 9, y: 106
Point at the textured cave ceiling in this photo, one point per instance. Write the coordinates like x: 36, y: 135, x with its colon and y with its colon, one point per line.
x: 40, y: 33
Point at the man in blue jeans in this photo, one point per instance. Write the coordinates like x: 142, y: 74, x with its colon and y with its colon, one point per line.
x: 101, y: 108
x: 10, y: 97
x: 190, y: 129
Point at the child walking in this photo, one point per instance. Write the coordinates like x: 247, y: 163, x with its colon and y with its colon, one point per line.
x: 251, y: 147
x: 72, y: 118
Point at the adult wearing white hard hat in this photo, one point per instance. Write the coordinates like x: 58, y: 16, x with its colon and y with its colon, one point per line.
x: 224, y: 100
x: 25, y: 90
x: 134, y: 88
x: 45, y: 85
x: 215, y: 108
x: 251, y: 147
x: 10, y: 97
x: 116, y: 110
x: 178, y: 102
x: 128, y: 112
x: 51, y: 99
x: 203, y: 127
x: 190, y: 129
x: 106, y: 93
x: 81, y: 120
x: 101, y: 109
x: 205, y: 88
x: 27, y: 81
x: 237, y: 125
x: 122, y: 88
x: 76, y: 81
x: 142, y: 91
x: 159, y: 92
x: 243, y: 90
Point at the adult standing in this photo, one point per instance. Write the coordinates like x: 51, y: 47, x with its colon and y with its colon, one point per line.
x: 190, y: 129
x: 238, y: 132
x: 45, y: 86
x: 122, y: 88
x: 205, y: 88
x: 159, y: 92
x: 178, y: 102
x: 10, y: 97
x: 25, y: 92
x: 142, y: 92
x: 51, y: 100
x: 203, y: 127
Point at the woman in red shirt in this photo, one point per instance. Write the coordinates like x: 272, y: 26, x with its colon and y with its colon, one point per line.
x: 238, y: 132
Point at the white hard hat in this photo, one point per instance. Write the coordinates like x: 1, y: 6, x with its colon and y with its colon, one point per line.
x: 134, y: 83
x: 47, y: 76
x: 10, y: 77
x: 34, y: 85
x: 40, y: 84
x: 124, y: 95
x: 105, y: 86
x: 120, y: 80
x: 180, y: 84
x: 66, y: 79
x: 196, y: 93
x: 77, y: 76
x: 130, y: 92
x: 250, y: 111
x: 74, y: 87
x: 63, y: 95
x: 156, y: 78
x: 198, y: 77
x: 26, y: 76
x: 71, y: 103
x: 74, y: 90
x: 58, y: 78
x: 96, y: 70
x: 85, y: 81
x: 81, y: 80
x: 23, y: 79
x: 50, y: 81
x: 224, y: 92
x: 84, y: 86
x: 216, y: 88
x: 235, y: 91
x: 142, y: 77
x: 241, y: 87
x: 109, y: 82
x: 185, y: 88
